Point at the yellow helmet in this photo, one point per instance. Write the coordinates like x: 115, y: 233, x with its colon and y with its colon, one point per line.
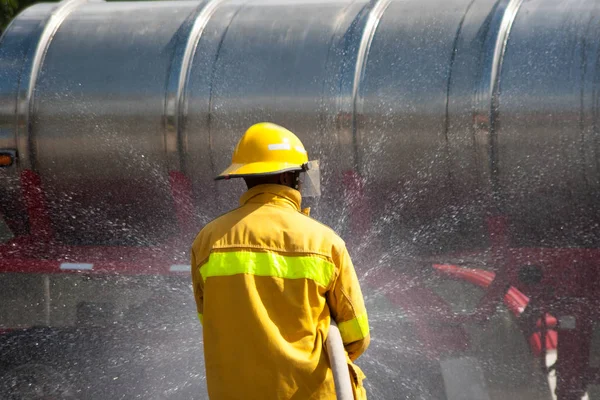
x: 266, y: 149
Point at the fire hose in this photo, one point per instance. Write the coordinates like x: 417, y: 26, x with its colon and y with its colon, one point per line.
x: 339, y: 364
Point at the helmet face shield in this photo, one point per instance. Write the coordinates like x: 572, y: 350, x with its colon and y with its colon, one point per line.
x: 310, y: 179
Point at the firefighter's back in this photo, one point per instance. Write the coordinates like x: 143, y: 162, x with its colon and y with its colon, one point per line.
x: 264, y: 270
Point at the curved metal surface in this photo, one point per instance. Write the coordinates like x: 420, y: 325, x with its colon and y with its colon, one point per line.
x: 30, y: 75
x: 17, y: 50
x: 99, y: 138
x: 189, y: 34
x: 401, y: 134
x: 448, y: 111
x: 548, y: 137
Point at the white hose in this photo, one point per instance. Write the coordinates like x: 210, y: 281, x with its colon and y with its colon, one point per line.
x: 339, y: 365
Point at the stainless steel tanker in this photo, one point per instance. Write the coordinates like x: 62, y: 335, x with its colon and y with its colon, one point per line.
x: 447, y: 111
x: 436, y: 122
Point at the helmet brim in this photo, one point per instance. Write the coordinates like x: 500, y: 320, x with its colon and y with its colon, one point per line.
x: 257, y: 169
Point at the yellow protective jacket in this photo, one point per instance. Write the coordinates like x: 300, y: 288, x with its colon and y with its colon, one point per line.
x: 267, y: 279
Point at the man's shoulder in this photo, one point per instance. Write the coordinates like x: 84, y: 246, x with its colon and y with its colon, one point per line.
x: 316, y: 227
x: 267, y: 223
x: 220, y: 223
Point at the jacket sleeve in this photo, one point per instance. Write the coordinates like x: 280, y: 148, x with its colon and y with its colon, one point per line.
x: 347, y: 305
x: 198, y: 286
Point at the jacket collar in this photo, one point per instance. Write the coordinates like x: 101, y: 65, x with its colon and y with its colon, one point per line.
x: 273, y: 194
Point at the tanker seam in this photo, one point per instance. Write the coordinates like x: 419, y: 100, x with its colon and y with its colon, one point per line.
x: 583, y: 70
x: 172, y: 83
x: 482, y: 93
x: 212, y: 83
x: 328, y: 63
x: 375, y: 15
x: 595, y: 106
x: 201, y: 21
x: 53, y: 22
x: 450, y: 69
x: 346, y: 82
x: 510, y: 14
x: 582, y: 112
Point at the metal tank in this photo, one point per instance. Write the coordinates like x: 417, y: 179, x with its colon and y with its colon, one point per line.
x: 445, y: 112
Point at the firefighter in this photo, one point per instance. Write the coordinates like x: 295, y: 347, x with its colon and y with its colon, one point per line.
x: 267, y: 279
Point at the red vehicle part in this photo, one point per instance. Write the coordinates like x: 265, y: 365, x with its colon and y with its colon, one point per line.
x: 514, y: 299
x: 39, y: 252
x: 561, y: 300
x: 22, y: 255
x: 560, y: 286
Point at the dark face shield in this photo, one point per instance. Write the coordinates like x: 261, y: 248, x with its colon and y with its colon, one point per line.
x: 310, y: 179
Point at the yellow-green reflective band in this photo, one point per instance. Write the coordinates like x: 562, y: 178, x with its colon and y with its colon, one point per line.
x: 268, y: 264
x: 355, y: 329
x: 201, y: 318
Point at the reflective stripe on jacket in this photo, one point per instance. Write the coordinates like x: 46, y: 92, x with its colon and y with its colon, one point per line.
x: 266, y: 279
